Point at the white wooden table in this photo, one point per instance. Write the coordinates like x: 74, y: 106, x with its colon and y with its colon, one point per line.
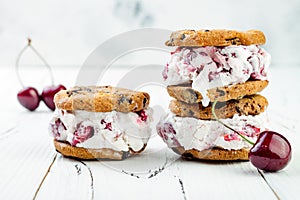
x: 31, y: 169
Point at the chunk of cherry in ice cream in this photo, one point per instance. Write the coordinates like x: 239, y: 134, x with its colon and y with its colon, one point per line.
x: 271, y: 152
x: 142, y: 115
x: 57, y: 128
x: 107, y: 125
x: 82, y: 133
x: 167, y: 133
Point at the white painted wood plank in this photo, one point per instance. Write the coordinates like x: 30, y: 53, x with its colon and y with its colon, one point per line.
x: 164, y: 185
x: 148, y: 176
x: 286, y: 182
x: 67, y: 179
x: 222, y: 180
x: 25, y: 156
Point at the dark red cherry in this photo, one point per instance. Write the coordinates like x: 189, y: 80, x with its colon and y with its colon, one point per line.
x: 56, y: 128
x: 48, y: 95
x: 167, y: 133
x: 29, y: 98
x: 142, y: 114
x: 107, y: 124
x: 271, y: 152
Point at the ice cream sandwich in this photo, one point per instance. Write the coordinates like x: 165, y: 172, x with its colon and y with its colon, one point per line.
x: 101, y: 122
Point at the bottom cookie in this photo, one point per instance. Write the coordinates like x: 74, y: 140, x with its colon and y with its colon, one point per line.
x: 91, y: 154
x: 216, y: 154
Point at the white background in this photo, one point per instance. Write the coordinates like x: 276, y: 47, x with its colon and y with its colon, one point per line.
x: 66, y: 32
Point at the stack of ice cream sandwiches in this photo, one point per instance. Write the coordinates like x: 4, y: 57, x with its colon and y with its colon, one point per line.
x: 227, y: 66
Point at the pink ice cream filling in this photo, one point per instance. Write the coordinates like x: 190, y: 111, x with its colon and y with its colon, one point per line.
x: 201, y: 134
x: 78, y: 130
x: 211, y: 67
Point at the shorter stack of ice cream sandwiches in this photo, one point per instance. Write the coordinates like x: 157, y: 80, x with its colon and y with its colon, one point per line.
x: 215, y: 65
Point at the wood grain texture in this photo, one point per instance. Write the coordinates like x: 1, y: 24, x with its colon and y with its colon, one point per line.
x: 222, y: 180
x: 25, y: 156
x: 285, y: 182
x: 68, y: 179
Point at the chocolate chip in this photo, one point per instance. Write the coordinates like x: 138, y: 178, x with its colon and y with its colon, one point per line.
x: 69, y: 94
x: 206, y: 30
x: 188, y: 156
x: 234, y: 41
x: 144, y: 102
x: 191, y: 94
x: 88, y: 89
x: 75, y: 90
x: 220, y: 105
x: 191, y: 113
x: 126, y: 154
x: 122, y: 99
x: 182, y: 36
x: 230, y: 39
x: 238, y: 110
x: 221, y: 92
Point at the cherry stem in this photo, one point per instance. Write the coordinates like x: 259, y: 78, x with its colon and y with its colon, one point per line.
x: 218, y: 120
x: 39, y: 56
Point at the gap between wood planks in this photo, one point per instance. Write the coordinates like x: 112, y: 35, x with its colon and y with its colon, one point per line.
x: 182, y: 189
x: 44, y: 178
x: 274, y: 192
x: 49, y: 169
x: 92, y: 177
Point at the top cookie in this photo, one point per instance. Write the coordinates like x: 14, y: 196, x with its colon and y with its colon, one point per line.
x: 216, y: 38
x: 101, y: 99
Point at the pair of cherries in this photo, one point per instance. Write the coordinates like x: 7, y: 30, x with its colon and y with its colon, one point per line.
x: 271, y: 152
x: 29, y: 96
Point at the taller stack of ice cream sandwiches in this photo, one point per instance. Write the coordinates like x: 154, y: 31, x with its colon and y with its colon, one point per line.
x: 215, y: 65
